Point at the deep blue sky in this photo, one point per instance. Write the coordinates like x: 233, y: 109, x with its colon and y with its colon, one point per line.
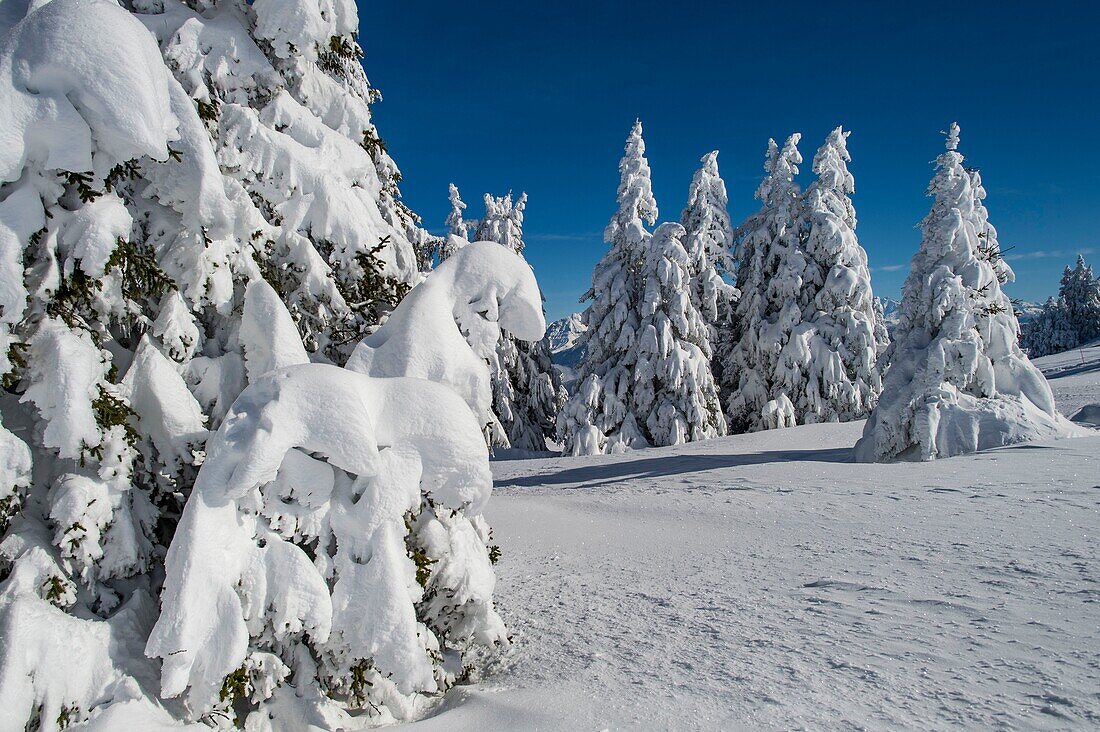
x: 539, y: 97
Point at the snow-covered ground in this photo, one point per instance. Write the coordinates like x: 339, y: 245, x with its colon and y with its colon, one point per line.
x: 764, y: 581
x: 1074, y: 376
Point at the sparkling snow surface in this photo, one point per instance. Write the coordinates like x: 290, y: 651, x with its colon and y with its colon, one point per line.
x: 764, y: 581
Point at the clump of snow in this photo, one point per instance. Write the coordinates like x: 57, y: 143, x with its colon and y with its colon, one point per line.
x: 312, y: 487
x: 60, y: 107
x: 268, y: 333
x: 448, y: 327
x: 67, y: 371
x: 171, y: 419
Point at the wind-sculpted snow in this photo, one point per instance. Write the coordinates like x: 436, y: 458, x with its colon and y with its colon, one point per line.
x: 295, y: 536
x: 448, y: 327
x: 58, y: 107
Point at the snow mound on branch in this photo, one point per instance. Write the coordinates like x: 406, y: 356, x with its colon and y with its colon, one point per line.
x: 293, y: 25
x: 78, y: 77
x: 98, y: 657
x: 268, y: 333
x: 15, y: 464
x: 383, y: 441
x: 169, y: 414
x: 65, y: 385
x: 447, y: 327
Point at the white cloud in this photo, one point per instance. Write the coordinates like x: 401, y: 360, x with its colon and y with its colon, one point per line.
x: 1067, y: 254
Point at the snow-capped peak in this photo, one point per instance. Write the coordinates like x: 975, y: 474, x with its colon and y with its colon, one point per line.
x: 564, y: 334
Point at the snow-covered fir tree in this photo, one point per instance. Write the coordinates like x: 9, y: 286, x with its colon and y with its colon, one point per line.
x: 503, y: 221
x: 456, y: 224
x: 958, y: 381
x: 598, y: 417
x: 1051, y: 331
x: 675, y: 399
x: 1080, y: 289
x: 771, y: 267
x: 527, y: 389
x: 458, y: 228
x: 1071, y: 320
x: 828, y: 366
x: 709, y: 236
x: 158, y: 166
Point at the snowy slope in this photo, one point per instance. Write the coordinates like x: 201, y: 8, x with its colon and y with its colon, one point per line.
x: 764, y: 581
x: 1074, y: 376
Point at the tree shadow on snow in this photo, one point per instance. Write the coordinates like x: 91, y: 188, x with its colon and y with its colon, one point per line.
x: 592, y: 476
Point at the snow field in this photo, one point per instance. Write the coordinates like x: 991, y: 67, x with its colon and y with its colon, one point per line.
x: 766, y: 581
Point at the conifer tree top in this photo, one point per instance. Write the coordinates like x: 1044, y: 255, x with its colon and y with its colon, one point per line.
x: 635, y: 197
x: 781, y: 166
x: 953, y: 137
x: 831, y: 163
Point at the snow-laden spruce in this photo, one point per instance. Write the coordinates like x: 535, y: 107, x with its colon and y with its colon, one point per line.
x: 1071, y: 320
x: 458, y: 228
x: 1081, y: 291
x: 527, y: 390
x: 1050, y: 331
x: 598, y: 417
x: 283, y: 103
x: 828, y: 366
x: 675, y: 398
x: 153, y: 164
x: 771, y: 270
x: 503, y: 221
x: 958, y: 381
x: 447, y: 328
x: 708, y: 238
x: 85, y: 495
